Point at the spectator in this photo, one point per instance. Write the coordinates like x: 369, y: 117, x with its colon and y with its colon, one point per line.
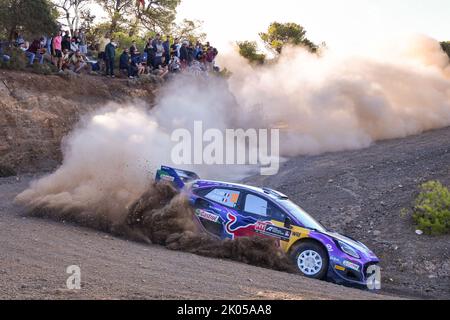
x: 19, y: 40
x: 159, y: 53
x: 110, y: 56
x: 124, y: 64
x: 136, y: 65
x: 175, y: 47
x: 191, y: 56
x: 77, y: 62
x: 35, y: 51
x: 65, y: 59
x: 57, y: 50
x: 65, y: 44
x: 175, y: 63
x: 166, y: 46
x: 83, y: 42
x: 151, y: 54
x: 75, y: 42
x: 3, y: 57
x: 184, y: 55
x: 210, y: 56
x: 48, y: 44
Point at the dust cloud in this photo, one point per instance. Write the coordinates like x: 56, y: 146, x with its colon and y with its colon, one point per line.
x: 321, y: 104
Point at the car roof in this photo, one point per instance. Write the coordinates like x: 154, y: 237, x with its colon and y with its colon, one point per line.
x: 273, y: 194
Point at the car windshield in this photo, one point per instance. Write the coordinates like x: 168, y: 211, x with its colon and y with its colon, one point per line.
x: 301, y: 215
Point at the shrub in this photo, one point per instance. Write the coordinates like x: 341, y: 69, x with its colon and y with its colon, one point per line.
x: 432, y: 209
x: 18, y: 59
x: 44, y: 69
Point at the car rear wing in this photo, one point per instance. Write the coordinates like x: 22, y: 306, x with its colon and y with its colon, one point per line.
x: 179, y: 178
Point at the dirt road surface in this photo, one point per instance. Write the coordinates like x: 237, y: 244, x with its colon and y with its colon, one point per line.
x: 35, y: 253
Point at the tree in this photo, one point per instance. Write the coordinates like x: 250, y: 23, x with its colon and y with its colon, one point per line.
x: 31, y: 17
x: 72, y: 11
x: 281, y: 34
x: 446, y: 47
x: 153, y: 15
x: 249, y: 50
x: 119, y: 13
x: 190, y: 30
x: 87, y: 18
x: 157, y: 15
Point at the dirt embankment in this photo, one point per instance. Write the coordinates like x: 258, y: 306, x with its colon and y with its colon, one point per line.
x: 363, y: 193
x: 37, y: 111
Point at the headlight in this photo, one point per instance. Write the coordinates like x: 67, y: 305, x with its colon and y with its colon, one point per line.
x: 348, y: 250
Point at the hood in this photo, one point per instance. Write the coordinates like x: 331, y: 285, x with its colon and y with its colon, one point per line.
x: 362, y: 249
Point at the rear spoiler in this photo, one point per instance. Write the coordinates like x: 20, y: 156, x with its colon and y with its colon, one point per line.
x: 179, y: 178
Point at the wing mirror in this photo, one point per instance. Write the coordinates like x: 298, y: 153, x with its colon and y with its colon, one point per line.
x: 288, y: 223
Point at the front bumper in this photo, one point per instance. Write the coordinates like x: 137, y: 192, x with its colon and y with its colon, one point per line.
x: 349, y: 273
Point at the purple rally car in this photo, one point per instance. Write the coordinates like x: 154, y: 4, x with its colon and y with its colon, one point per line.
x: 227, y: 211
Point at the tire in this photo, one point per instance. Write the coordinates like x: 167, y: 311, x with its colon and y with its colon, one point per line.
x: 311, y: 260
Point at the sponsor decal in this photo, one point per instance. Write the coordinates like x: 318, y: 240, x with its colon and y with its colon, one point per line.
x: 207, y: 215
x: 167, y: 178
x: 340, y: 268
x: 233, y: 228
x: 351, y: 265
x: 335, y: 260
x: 273, y: 231
x: 329, y: 247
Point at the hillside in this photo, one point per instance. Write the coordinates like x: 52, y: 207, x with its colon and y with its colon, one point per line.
x: 359, y: 193
x: 362, y: 194
x: 38, y: 111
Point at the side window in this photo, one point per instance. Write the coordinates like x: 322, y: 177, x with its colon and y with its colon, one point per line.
x: 276, y: 214
x: 255, y: 205
x: 226, y: 197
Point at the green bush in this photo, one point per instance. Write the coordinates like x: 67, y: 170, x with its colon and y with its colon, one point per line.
x: 432, y: 209
x: 44, y: 69
x: 249, y: 50
x: 18, y: 59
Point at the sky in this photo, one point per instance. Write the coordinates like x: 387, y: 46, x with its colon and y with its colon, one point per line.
x: 345, y: 25
x: 342, y: 24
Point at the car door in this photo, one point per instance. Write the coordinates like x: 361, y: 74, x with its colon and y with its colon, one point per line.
x: 269, y: 219
x: 213, y: 210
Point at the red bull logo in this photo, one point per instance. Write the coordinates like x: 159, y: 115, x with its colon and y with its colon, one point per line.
x: 233, y: 228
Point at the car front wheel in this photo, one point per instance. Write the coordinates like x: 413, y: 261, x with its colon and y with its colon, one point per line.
x: 311, y: 260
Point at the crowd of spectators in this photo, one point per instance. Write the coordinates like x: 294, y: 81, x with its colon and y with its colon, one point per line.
x: 160, y: 56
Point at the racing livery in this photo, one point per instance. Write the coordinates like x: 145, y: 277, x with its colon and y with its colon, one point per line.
x: 228, y: 211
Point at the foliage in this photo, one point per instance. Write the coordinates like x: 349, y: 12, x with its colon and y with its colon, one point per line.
x: 249, y: 50
x: 124, y: 40
x: 154, y: 15
x: 73, y: 12
x: 190, y: 30
x: 157, y: 16
x: 32, y: 18
x: 18, y: 59
x: 119, y: 13
x: 446, y: 47
x: 279, y: 35
x: 432, y: 209
x: 44, y: 69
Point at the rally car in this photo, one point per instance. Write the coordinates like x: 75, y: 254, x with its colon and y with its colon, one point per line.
x: 228, y: 210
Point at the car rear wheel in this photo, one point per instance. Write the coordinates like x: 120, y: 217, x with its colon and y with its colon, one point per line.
x: 311, y: 260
